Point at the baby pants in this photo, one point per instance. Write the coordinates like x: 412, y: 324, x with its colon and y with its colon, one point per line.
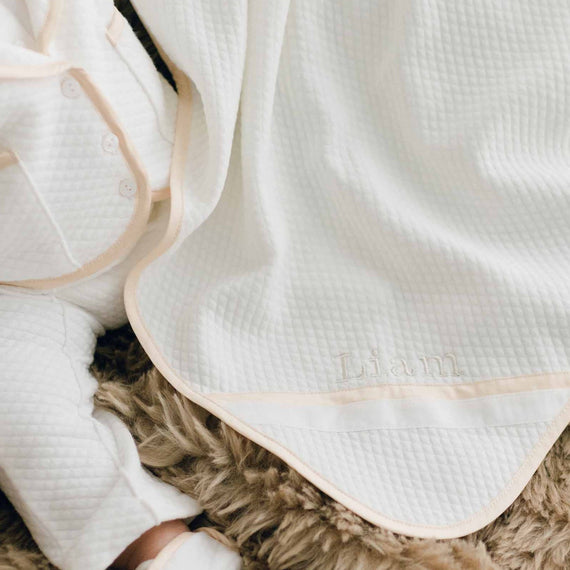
x: 73, y: 474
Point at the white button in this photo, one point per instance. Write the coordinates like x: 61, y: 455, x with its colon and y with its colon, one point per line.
x: 127, y: 188
x: 70, y: 88
x: 110, y: 143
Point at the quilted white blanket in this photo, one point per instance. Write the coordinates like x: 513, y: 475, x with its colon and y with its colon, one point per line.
x: 367, y: 268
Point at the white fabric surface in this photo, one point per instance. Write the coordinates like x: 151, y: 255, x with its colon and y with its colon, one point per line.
x: 75, y: 477
x: 375, y: 193
x: 61, y: 204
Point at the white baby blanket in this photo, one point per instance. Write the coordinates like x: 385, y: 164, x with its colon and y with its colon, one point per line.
x: 367, y: 269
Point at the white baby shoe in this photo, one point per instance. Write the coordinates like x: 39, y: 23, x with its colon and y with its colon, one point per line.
x: 194, y: 551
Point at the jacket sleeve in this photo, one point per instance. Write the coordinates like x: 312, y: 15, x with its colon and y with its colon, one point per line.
x: 72, y: 473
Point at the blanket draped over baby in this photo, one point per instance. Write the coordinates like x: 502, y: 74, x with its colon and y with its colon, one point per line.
x: 366, y: 268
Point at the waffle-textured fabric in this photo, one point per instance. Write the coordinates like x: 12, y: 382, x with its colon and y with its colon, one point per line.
x: 74, y: 475
x: 367, y: 267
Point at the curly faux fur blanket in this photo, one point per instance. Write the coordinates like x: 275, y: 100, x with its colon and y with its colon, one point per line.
x: 279, y: 520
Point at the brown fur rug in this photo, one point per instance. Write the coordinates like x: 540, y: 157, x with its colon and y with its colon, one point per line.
x: 279, y: 520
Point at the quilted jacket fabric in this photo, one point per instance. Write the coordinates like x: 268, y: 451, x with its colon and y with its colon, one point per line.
x: 73, y: 185
x: 74, y: 475
x: 366, y: 268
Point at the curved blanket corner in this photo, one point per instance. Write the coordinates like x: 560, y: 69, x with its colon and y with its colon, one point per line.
x: 423, y: 467
x: 438, y: 468
x: 373, y: 215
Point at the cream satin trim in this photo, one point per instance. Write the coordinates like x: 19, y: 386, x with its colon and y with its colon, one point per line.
x: 509, y: 493
x: 115, y: 27
x: 162, y: 194
x: 50, y: 26
x: 33, y: 71
x: 482, y: 518
x: 481, y: 388
x: 181, y: 140
x: 142, y: 199
x: 7, y: 158
x: 500, y: 410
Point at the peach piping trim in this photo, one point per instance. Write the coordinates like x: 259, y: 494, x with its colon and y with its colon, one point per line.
x: 33, y: 71
x: 114, y: 31
x: 141, y: 211
x: 478, y: 389
x: 162, y: 194
x: 115, y: 27
x: 50, y: 25
x: 486, y: 515
x: 7, y: 158
x: 166, y: 553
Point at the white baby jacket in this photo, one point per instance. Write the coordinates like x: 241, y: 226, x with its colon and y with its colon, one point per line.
x: 79, y: 188
x: 366, y: 268
x: 74, y: 195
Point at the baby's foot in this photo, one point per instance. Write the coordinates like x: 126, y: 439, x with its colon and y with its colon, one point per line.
x: 148, y: 545
x: 194, y: 551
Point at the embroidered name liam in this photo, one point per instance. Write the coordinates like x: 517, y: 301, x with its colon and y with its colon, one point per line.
x: 354, y: 368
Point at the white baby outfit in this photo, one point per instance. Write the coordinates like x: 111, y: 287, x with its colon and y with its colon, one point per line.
x: 67, y: 194
x: 365, y: 266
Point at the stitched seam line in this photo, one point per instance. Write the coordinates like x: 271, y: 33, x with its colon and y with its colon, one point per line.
x: 69, y: 551
x: 122, y: 475
x: 28, y: 505
x: 421, y: 427
x: 49, y: 215
x: 139, y: 217
x: 97, y: 426
x: 116, y: 27
x: 145, y: 91
x: 30, y: 514
x: 50, y: 26
x: 490, y: 505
